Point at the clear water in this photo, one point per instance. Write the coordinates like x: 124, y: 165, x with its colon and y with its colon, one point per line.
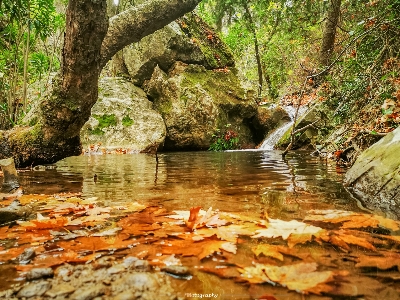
x: 250, y: 182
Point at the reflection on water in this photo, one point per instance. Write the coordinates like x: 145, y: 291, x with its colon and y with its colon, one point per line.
x: 250, y: 182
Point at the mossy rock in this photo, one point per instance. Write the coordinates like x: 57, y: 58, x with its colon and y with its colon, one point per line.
x: 375, y: 176
x: 196, y: 102
x: 189, y: 40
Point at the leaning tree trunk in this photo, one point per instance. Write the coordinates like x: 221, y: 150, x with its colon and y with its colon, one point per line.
x: 90, y: 42
x: 329, y: 34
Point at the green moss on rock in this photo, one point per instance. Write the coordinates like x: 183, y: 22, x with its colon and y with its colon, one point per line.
x: 127, y: 121
x: 104, y: 121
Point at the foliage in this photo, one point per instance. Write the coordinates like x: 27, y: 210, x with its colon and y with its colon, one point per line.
x: 271, y: 254
x: 224, y: 140
x: 25, y: 56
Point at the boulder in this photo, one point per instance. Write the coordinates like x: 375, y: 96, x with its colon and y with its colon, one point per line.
x: 375, y: 176
x: 267, y: 119
x: 307, y: 138
x: 189, y: 40
x: 196, y: 102
x: 123, y: 118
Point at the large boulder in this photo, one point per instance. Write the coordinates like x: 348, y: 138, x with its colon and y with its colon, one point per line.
x: 189, y: 40
x: 123, y: 118
x: 196, y: 102
x: 375, y: 176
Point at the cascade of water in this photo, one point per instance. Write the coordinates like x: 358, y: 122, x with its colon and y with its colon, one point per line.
x: 272, y: 138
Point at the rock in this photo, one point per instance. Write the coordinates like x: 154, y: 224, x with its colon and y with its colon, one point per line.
x: 196, y: 102
x: 375, y: 176
x: 15, y: 211
x: 116, y: 269
x: 38, y: 273
x: 26, y: 256
x: 177, y: 270
x: 189, y: 40
x: 34, y: 289
x: 125, y: 295
x: 60, y: 290
x: 123, y: 118
x: 89, y: 292
x: 267, y: 119
x: 308, y: 137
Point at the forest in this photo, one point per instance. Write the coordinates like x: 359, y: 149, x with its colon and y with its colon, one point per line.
x: 230, y: 149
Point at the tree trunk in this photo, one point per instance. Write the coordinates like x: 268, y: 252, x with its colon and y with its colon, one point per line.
x: 252, y: 28
x: 328, y: 38
x: 90, y: 41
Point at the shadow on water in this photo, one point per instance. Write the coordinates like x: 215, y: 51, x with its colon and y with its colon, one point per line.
x: 250, y: 182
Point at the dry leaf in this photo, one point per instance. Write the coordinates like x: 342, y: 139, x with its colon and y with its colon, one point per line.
x: 301, y: 277
x: 297, y: 231
x: 351, y: 219
x: 268, y: 250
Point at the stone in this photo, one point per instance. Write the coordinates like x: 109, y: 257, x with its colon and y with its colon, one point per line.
x: 26, y: 256
x: 60, y: 290
x: 116, y: 269
x: 195, y: 102
x: 34, y: 289
x: 177, y: 270
x: 375, y: 176
x: 14, y: 211
x: 125, y: 295
x: 38, y: 273
x: 123, y: 118
x: 189, y: 40
x: 89, y: 292
x: 267, y: 119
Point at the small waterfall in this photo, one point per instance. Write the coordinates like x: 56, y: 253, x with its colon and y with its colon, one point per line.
x: 273, y: 137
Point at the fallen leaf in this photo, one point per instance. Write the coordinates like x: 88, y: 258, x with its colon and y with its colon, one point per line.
x: 197, y: 220
x: 352, y: 220
x: 268, y: 250
x: 301, y: 277
x: 386, y: 261
x: 298, y: 231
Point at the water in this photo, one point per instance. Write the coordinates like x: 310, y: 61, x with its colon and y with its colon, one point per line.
x: 250, y: 182
x: 275, y: 136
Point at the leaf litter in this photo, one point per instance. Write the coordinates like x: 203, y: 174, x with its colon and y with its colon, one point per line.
x: 248, y: 251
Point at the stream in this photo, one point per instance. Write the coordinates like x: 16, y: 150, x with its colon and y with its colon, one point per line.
x: 250, y: 182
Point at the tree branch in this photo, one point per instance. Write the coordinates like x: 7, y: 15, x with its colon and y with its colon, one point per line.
x: 132, y: 25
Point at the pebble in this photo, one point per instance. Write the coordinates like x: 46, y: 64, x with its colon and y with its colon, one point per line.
x: 34, y: 289
x: 38, y: 273
x: 126, y: 295
x: 60, y: 290
x: 89, y: 293
x: 116, y: 269
x: 26, y: 256
x: 177, y: 270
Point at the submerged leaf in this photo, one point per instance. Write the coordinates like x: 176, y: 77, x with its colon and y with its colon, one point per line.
x: 301, y: 277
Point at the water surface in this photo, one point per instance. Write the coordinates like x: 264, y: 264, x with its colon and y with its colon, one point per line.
x: 251, y: 182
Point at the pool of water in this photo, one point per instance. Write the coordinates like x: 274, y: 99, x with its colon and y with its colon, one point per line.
x: 250, y: 182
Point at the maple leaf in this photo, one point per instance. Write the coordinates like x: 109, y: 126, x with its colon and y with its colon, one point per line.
x: 215, y: 246
x: 268, y: 250
x: 298, y: 232
x: 43, y: 223
x: 386, y: 261
x: 341, y: 238
x: 210, y: 219
x: 352, y: 220
x: 301, y: 277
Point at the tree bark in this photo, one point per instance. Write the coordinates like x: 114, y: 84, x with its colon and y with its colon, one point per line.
x: 329, y: 35
x: 90, y: 41
x: 252, y: 28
